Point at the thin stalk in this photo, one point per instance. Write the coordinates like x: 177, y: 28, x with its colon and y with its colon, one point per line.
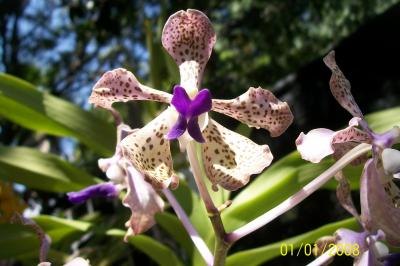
x: 197, y: 240
x: 201, y: 186
x: 324, y: 258
x: 298, y: 197
x: 221, y: 246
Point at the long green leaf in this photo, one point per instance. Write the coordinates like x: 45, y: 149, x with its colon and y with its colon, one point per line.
x: 16, y: 240
x: 384, y: 120
x: 20, y: 241
x: 48, y: 222
x: 171, y: 224
x: 41, y: 171
x: 155, y: 250
x: 160, y: 253
x: 21, y: 103
x: 260, y: 255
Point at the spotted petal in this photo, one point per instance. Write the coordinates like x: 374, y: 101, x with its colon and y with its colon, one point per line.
x: 149, y: 152
x: 257, y: 108
x: 346, y: 139
x: 340, y: 87
x: 230, y: 159
x: 120, y: 85
x: 321, y: 142
x: 343, y: 193
x: 143, y: 201
x: 378, y: 209
x: 189, y: 38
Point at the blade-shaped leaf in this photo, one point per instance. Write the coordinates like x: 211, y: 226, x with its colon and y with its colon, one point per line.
x: 48, y: 222
x: 175, y: 229
x: 16, y: 240
x: 21, y: 103
x: 260, y: 255
x: 42, y: 171
x: 384, y: 120
x: 160, y: 253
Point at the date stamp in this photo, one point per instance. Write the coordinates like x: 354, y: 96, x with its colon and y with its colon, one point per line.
x: 333, y: 249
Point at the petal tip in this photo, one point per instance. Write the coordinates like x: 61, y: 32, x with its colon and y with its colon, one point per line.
x: 329, y: 59
x: 188, y: 35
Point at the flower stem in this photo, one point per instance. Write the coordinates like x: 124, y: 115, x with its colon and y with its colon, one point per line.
x: 194, y: 163
x: 221, y: 245
x: 298, y: 197
x: 324, y: 258
x: 197, y: 240
x: 117, y: 117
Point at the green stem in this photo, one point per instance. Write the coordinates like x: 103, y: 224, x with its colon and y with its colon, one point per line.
x: 221, y: 246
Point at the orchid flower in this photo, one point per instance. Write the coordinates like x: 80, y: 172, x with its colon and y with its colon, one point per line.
x: 141, y: 197
x: 379, y: 195
x: 321, y: 142
x: 229, y: 158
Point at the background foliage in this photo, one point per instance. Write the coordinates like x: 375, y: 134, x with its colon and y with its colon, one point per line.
x: 52, y: 52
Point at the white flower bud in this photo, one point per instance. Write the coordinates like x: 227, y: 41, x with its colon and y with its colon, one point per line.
x: 115, y: 173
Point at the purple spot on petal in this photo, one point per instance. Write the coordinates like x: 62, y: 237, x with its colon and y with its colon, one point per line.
x: 104, y: 190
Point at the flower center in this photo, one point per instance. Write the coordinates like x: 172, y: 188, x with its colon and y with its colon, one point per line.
x: 189, y: 110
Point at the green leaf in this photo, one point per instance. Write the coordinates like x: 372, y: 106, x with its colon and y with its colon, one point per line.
x: 173, y: 226
x: 156, y: 60
x: 263, y: 254
x: 42, y: 171
x: 155, y: 250
x: 384, y: 120
x: 20, y: 241
x: 17, y: 240
x: 160, y: 253
x: 194, y: 208
x: 48, y: 222
x: 21, y: 103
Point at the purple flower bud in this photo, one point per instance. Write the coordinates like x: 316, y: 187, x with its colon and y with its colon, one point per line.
x: 105, y: 190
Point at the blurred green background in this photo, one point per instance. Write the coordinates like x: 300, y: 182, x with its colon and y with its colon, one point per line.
x: 49, y: 146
